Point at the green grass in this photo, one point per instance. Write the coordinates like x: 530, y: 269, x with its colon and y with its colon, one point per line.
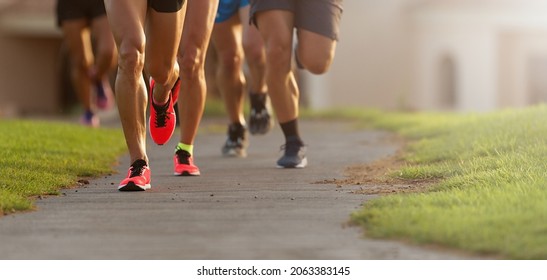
x: 40, y: 158
x: 214, y: 107
x: 492, y: 195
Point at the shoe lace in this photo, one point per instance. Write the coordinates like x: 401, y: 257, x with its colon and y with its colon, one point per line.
x: 161, y: 114
x: 258, y: 114
x: 236, y: 134
x: 258, y: 102
x: 291, y: 148
x: 231, y: 143
x: 137, y: 168
x: 183, y: 157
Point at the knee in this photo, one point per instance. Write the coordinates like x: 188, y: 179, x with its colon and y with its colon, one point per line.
x: 316, y: 64
x: 278, y: 56
x: 253, y: 53
x: 131, y: 58
x: 191, y: 63
x: 161, y: 71
x: 231, y: 61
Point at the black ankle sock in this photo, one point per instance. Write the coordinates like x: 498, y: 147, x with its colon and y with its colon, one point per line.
x: 237, y: 125
x: 290, y: 130
x: 258, y: 100
x: 236, y: 131
x: 139, y: 163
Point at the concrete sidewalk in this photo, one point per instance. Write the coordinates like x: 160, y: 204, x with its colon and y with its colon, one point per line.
x: 237, y: 209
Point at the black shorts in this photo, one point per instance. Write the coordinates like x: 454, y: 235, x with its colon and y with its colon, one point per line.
x: 79, y: 9
x: 167, y: 6
x: 318, y: 16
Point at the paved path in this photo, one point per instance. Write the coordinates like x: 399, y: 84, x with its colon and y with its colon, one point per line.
x: 237, y: 209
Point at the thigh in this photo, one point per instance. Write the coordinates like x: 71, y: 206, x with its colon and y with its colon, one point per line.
x: 77, y: 37
x: 251, y: 36
x: 200, y: 17
x: 317, y: 23
x: 164, y: 31
x: 315, y: 48
x: 276, y: 27
x: 102, y: 33
x: 226, y: 37
x: 126, y: 19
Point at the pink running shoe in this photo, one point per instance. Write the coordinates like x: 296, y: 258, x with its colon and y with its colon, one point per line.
x: 162, y: 119
x: 105, y: 97
x: 138, y: 177
x: 184, y: 164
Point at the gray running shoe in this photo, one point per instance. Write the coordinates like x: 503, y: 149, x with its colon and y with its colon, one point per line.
x: 294, y: 155
x: 237, y: 141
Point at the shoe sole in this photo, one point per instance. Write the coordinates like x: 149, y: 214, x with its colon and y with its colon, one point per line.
x: 259, y: 132
x: 186, y: 173
x: 302, y: 164
x: 234, y: 154
x: 132, y: 187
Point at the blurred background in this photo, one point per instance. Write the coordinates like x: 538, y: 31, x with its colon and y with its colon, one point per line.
x: 434, y: 55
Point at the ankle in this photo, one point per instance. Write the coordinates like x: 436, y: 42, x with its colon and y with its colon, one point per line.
x: 258, y: 100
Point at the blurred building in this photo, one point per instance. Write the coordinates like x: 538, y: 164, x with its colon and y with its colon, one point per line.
x: 462, y: 55
x: 30, y: 46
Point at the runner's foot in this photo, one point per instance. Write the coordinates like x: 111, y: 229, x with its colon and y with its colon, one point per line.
x: 237, y: 141
x: 294, y: 155
x: 105, y: 97
x: 260, y: 120
x: 138, y: 177
x: 90, y: 119
x: 162, y: 119
x: 184, y: 164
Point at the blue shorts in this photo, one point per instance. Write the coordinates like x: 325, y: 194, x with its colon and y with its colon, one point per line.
x: 228, y: 8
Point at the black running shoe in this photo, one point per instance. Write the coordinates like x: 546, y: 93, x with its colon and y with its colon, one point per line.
x: 260, y: 120
x: 237, y: 141
x: 294, y: 155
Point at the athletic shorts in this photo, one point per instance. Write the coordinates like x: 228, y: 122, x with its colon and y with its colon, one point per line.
x: 79, y: 9
x: 167, y: 6
x: 318, y: 16
x: 228, y: 8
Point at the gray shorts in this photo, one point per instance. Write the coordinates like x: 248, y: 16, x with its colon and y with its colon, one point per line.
x: 318, y: 16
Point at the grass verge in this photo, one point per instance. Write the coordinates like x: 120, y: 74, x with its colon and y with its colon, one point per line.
x: 40, y: 158
x: 491, y: 195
